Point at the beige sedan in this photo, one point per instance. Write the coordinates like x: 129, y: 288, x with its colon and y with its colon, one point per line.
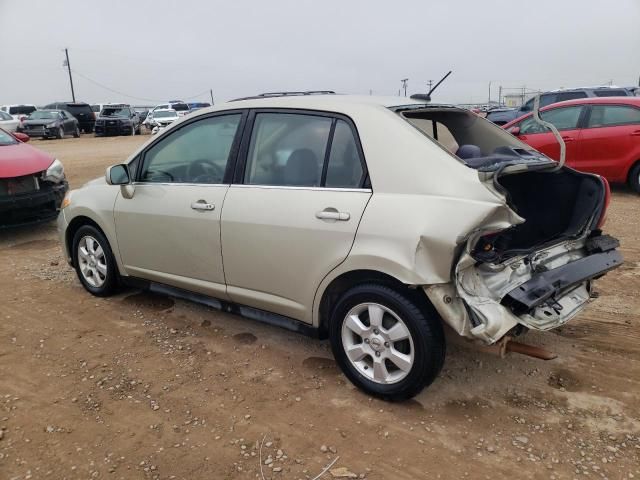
x: 372, y: 221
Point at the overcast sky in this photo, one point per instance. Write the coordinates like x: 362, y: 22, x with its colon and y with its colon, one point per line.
x: 152, y: 51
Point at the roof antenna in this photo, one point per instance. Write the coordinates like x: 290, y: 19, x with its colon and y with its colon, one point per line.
x: 427, y: 96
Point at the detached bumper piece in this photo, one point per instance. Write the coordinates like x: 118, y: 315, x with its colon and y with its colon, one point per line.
x: 33, y: 207
x: 546, y: 286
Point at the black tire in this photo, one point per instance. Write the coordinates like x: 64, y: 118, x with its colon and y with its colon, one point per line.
x: 133, y: 130
x: 60, y: 133
x: 76, y: 132
x: 425, y: 329
x: 110, y: 284
x: 634, y: 178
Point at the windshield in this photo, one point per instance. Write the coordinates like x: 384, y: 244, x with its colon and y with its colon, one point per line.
x: 6, y: 139
x: 44, y: 115
x: 115, y: 112
x: 164, y: 114
x: 95, y: 108
x: 21, y: 109
x: 474, y: 140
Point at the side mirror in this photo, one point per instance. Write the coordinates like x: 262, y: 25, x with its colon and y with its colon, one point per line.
x: 118, y: 175
x: 514, y: 131
x: 23, y: 137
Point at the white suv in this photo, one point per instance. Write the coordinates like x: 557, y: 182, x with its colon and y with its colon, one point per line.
x: 373, y: 221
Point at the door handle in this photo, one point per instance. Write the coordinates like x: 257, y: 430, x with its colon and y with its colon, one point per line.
x: 202, y: 205
x: 567, y: 139
x: 333, y: 214
x: 636, y: 133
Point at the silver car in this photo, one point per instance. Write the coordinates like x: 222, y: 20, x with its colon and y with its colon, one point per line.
x: 375, y: 222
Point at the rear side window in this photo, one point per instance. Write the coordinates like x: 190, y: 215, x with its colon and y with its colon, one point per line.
x: 287, y: 149
x: 610, y: 115
x: 21, y: 110
x: 344, y: 169
x: 565, y: 118
x: 562, y: 96
x: 180, y: 107
x: 78, y: 109
x: 611, y: 93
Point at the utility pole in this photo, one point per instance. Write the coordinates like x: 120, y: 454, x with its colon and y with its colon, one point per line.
x: 500, y: 95
x: 430, y: 83
x: 211, y: 93
x: 489, y: 100
x: 404, y: 85
x: 73, y: 95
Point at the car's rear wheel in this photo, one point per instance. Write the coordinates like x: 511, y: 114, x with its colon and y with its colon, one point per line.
x: 94, y: 261
x: 634, y: 178
x: 386, y: 343
x: 60, y: 133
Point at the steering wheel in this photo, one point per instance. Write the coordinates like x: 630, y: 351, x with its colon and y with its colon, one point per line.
x: 204, y: 171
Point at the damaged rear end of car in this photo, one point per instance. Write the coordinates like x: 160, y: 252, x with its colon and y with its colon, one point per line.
x: 537, y: 272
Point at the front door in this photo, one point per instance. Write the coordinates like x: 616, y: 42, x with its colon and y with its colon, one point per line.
x: 294, y: 214
x: 566, y: 120
x: 169, y: 231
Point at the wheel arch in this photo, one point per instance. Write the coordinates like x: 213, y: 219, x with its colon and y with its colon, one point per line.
x: 74, y: 225
x: 346, y: 280
x: 631, y: 169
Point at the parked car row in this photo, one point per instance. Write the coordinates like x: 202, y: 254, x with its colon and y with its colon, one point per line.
x: 502, y: 116
x: 101, y: 118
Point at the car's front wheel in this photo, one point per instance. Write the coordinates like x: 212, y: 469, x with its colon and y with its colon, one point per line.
x: 94, y: 261
x: 76, y: 132
x: 60, y: 133
x: 386, y: 342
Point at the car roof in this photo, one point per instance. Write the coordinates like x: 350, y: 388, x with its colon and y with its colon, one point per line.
x: 634, y: 101
x: 316, y: 102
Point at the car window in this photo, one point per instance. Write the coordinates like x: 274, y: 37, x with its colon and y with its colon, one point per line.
x: 5, y: 116
x: 345, y: 167
x: 562, y: 96
x: 21, y: 110
x: 545, y: 99
x: 195, y: 153
x: 287, y: 149
x: 565, y: 118
x: 611, y: 92
x: 609, y: 115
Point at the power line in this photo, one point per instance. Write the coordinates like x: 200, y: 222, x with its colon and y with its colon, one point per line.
x: 131, y: 96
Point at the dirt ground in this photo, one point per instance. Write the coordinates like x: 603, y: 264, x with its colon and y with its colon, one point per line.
x: 143, y: 386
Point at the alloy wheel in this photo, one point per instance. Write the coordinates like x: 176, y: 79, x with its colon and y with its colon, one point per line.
x: 92, y: 261
x: 377, y: 343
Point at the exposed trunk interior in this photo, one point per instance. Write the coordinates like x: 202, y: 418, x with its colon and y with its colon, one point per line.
x: 556, y: 205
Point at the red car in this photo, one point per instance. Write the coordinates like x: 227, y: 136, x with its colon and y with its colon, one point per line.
x: 602, y: 135
x: 32, y: 182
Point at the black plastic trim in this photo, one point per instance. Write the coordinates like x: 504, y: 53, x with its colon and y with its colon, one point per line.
x: 245, y: 311
x: 546, y: 285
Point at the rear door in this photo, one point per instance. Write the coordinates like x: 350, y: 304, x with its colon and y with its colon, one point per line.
x: 611, y: 140
x: 566, y: 120
x: 291, y: 217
